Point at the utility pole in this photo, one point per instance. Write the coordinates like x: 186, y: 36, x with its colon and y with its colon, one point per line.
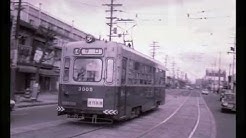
x: 214, y: 77
x: 177, y: 73
x: 219, y: 70
x: 173, y: 69
x: 111, y: 18
x: 153, y: 50
x: 233, y: 51
x: 173, y: 80
x: 14, y: 50
x: 166, y: 61
x: 178, y: 79
x: 229, y: 69
x: 182, y: 75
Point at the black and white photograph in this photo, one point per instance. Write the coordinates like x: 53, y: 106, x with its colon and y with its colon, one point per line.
x: 122, y: 68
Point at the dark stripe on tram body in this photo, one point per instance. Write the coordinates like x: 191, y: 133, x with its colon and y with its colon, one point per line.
x: 74, y: 98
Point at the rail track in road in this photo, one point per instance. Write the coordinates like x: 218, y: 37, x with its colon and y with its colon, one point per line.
x: 166, y: 121
x: 187, y: 94
x: 90, y: 132
x: 173, y: 123
x: 83, y: 133
x: 182, y: 93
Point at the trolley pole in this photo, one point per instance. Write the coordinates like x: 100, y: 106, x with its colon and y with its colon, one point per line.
x: 14, y: 50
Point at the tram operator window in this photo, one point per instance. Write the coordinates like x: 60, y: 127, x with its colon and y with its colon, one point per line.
x: 87, y: 70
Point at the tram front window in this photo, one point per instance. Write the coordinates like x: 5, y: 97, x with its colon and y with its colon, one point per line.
x: 87, y: 70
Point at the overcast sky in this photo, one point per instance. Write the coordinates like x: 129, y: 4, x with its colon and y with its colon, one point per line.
x: 193, y: 44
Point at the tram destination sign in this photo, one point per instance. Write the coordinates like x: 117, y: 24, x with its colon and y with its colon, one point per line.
x: 87, y: 51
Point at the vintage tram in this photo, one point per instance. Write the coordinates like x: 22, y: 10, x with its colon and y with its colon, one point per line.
x: 103, y: 81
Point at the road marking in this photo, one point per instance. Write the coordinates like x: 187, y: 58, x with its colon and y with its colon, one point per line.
x: 38, y: 126
x: 198, y: 118
x: 33, y: 107
x: 213, y: 128
x: 164, y: 121
x: 19, y: 114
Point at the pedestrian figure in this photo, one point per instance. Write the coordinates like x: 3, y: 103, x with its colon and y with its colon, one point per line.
x: 35, y: 91
x: 81, y: 74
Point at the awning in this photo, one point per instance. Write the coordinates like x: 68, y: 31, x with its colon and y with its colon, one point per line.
x: 26, y: 69
x: 31, y: 69
x: 48, y: 72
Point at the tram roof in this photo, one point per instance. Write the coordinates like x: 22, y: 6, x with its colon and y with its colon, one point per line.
x: 111, y: 43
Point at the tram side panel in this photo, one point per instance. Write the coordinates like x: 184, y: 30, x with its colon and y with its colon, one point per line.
x: 143, y: 96
x: 140, y: 96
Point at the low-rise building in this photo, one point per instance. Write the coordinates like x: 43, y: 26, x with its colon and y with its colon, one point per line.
x: 30, y: 43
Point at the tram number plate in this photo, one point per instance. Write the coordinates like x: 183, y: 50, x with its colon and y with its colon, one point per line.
x: 92, y: 102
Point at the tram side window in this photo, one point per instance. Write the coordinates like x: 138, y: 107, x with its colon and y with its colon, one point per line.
x: 163, y: 77
x: 131, y: 72
x: 123, y: 73
x: 154, y: 75
x: 110, y: 70
x: 66, y: 68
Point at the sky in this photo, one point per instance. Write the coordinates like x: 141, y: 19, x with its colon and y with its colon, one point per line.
x: 192, y: 44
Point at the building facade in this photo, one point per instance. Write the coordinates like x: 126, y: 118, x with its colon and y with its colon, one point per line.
x: 214, y: 79
x: 30, y: 43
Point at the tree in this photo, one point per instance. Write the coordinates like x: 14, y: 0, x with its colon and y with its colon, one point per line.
x: 40, y: 56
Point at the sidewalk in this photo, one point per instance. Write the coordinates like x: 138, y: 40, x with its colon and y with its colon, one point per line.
x: 44, y: 98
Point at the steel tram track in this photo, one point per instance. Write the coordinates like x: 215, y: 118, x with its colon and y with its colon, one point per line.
x: 83, y: 133
x: 101, y: 127
x: 170, y: 116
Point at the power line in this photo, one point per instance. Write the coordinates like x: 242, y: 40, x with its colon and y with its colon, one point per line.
x: 89, y: 4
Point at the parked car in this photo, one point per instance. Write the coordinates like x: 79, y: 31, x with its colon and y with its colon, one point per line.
x: 12, y: 105
x: 228, y: 102
x: 205, y: 92
x: 223, y: 91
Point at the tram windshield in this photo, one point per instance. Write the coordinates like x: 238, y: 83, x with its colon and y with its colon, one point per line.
x: 87, y: 70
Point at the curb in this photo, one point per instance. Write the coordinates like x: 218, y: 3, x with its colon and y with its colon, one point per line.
x: 37, y: 104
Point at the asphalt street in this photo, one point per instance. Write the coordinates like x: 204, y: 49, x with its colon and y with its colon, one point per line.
x: 185, y: 114
x: 225, y: 121
x: 34, y: 115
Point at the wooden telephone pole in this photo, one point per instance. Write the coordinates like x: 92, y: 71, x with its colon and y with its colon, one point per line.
x: 153, y: 50
x: 14, y: 49
x: 111, y: 18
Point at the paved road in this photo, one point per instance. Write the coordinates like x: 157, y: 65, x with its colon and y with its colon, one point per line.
x: 185, y: 114
x: 225, y: 122
x: 34, y: 115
